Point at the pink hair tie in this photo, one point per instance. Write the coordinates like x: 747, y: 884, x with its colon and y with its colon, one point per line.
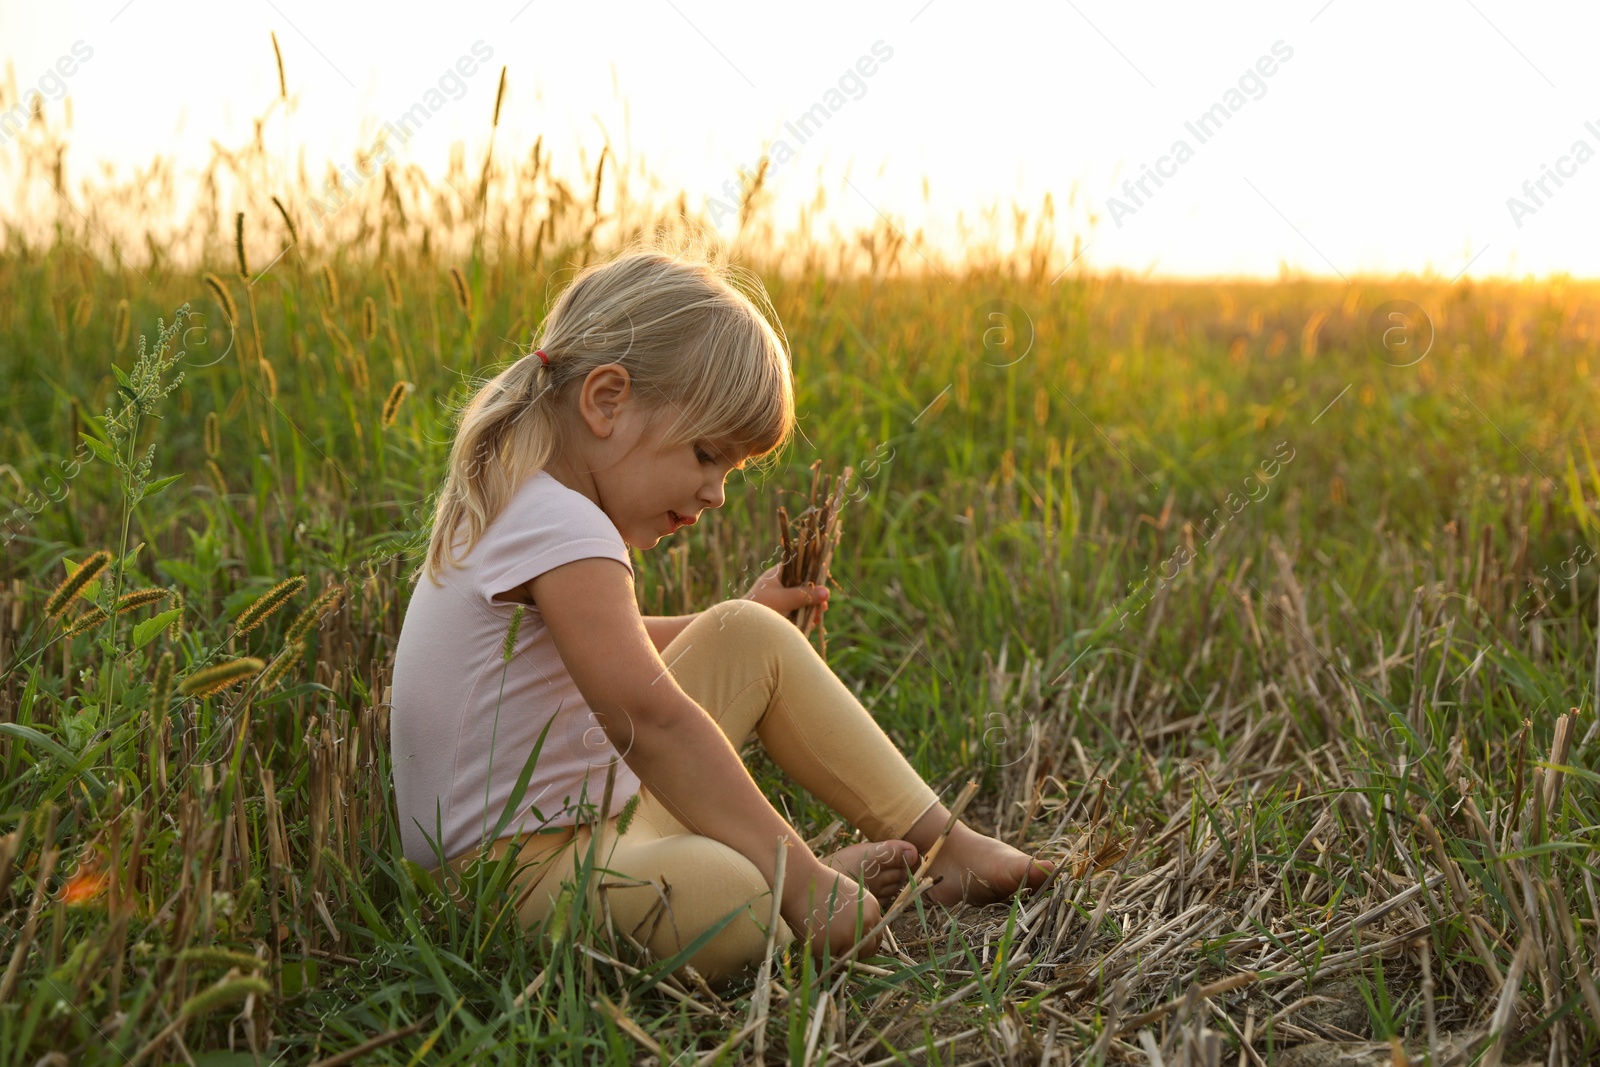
x: 542, y: 357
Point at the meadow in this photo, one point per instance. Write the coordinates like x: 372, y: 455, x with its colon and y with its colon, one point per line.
x: 1280, y: 636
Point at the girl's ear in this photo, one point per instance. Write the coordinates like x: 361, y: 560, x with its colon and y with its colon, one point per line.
x: 606, y: 391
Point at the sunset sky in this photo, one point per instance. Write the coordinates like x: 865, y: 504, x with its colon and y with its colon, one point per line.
x: 1327, y: 138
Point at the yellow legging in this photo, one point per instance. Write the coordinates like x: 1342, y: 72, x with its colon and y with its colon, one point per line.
x: 754, y: 673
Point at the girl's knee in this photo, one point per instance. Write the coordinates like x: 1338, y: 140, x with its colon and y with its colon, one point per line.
x: 746, y: 618
x: 727, y: 883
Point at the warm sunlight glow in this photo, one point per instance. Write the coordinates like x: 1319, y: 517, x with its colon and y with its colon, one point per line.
x: 1329, y: 138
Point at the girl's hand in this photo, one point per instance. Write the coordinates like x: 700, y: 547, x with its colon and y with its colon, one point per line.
x: 783, y: 599
x: 827, y: 910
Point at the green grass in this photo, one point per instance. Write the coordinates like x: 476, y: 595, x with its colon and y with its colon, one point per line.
x: 1341, y: 708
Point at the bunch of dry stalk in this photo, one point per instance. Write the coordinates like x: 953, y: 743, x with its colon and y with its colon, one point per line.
x: 808, y: 543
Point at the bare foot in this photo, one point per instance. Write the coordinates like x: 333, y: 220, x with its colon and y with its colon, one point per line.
x: 981, y: 870
x: 880, y: 865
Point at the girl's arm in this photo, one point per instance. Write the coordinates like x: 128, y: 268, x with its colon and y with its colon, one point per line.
x: 678, y: 751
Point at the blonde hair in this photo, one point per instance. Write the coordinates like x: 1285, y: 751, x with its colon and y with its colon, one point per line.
x: 695, y: 337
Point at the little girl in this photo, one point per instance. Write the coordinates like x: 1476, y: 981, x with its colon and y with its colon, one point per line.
x: 654, y: 377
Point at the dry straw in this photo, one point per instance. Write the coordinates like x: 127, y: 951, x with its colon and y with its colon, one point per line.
x: 203, y: 683
x: 391, y: 406
x: 808, y: 545
x: 331, y: 284
x: 369, y: 319
x: 238, y: 245
x: 75, y: 582
x: 499, y: 96
x: 463, y: 298
x: 267, y: 603
x: 225, y: 298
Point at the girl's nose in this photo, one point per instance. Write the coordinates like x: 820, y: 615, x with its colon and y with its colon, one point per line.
x: 712, y: 493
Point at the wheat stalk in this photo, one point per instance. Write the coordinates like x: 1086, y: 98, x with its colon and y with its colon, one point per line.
x: 808, y: 544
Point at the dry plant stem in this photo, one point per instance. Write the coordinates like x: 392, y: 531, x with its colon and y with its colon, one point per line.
x: 30, y: 926
x: 808, y: 544
x: 381, y: 1041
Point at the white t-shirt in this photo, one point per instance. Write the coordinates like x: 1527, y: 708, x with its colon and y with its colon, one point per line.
x: 455, y: 759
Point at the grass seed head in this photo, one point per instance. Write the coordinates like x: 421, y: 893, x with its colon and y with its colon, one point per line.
x: 213, y: 435
x: 74, y: 583
x: 325, y: 604
x: 463, y: 297
x: 391, y: 406
x: 238, y: 245
x: 222, y: 994
x: 269, y: 376
x: 87, y: 621
x: 203, y: 683
x: 331, y: 284
x: 626, y: 815
x: 138, y: 598
x: 369, y: 320
x: 499, y: 98
x: 283, y: 84
x: 294, y: 234
x: 391, y: 283
x: 221, y: 957
x: 225, y: 298
x: 175, y: 631
x: 510, y: 647
x: 161, y: 689
x: 267, y: 603
x: 120, y: 323
x: 220, y: 483
x: 280, y: 664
